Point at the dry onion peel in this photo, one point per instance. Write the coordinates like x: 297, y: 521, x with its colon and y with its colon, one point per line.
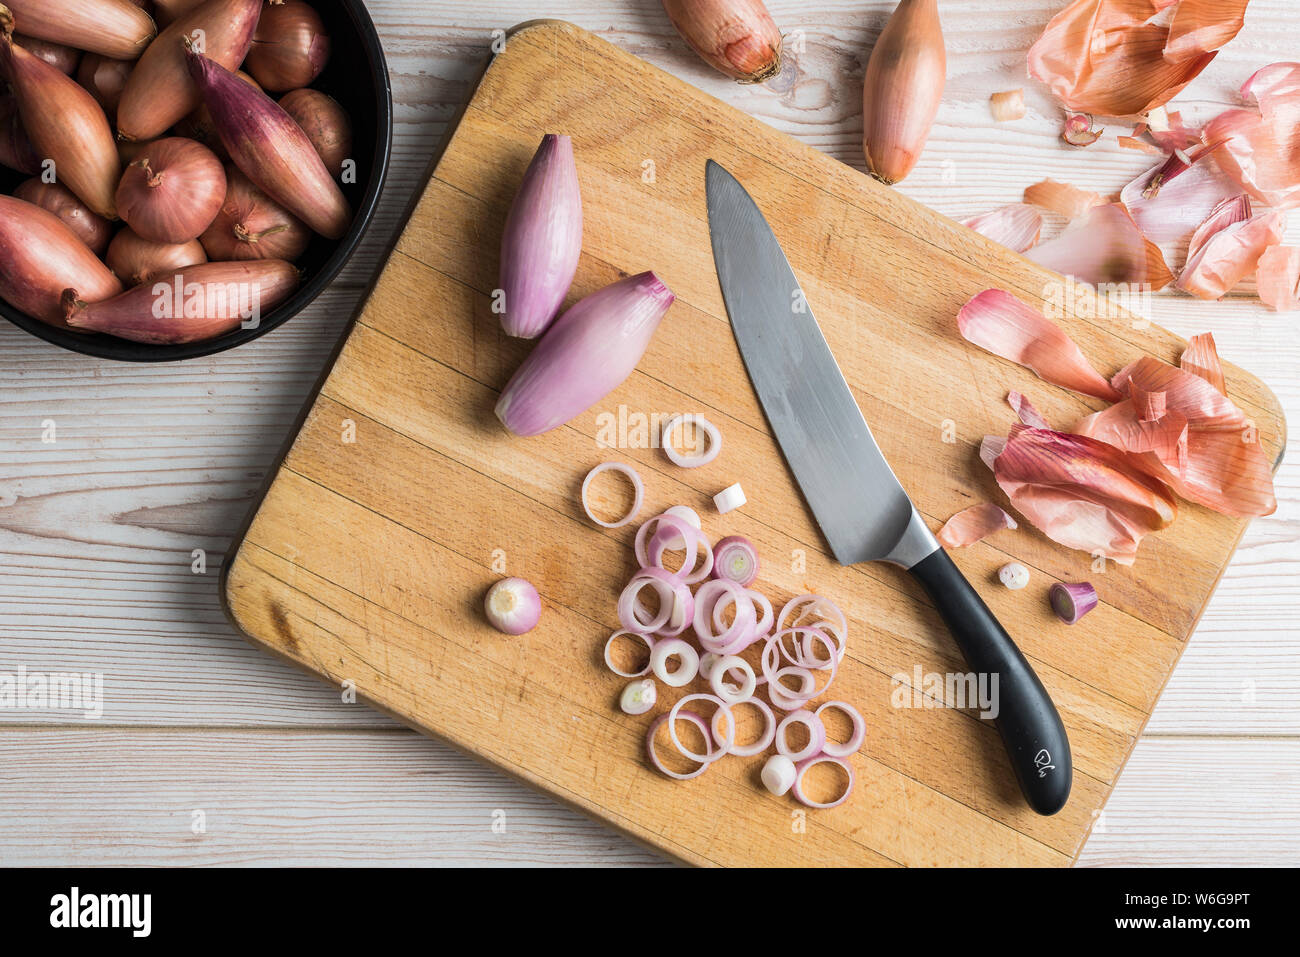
x: 1008, y: 105
x: 1260, y: 148
x: 1278, y: 278
x: 1081, y: 492
x: 1201, y: 358
x: 1169, y: 202
x: 973, y: 524
x: 1016, y: 226
x: 1025, y: 411
x: 1229, y: 254
x: 1069, y: 201
x: 1104, y: 246
x: 1003, y: 325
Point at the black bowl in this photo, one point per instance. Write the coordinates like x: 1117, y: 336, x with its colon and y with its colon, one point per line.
x: 357, y: 76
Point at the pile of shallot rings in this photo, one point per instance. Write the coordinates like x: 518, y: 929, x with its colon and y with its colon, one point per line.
x: 795, y: 657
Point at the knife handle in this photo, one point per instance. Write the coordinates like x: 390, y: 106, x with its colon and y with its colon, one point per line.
x: 1030, y: 727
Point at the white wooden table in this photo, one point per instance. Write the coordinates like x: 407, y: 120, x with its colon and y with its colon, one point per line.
x: 209, y: 752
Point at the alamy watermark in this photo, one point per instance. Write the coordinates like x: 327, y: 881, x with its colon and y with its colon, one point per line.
x: 933, y: 689
x: 53, y: 691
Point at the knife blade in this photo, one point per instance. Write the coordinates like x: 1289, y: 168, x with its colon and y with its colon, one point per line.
x: 855, y: 497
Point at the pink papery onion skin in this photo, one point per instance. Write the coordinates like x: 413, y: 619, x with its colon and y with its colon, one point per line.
x: 1201, y: 357
x: 1278, y: 278
x: 542, y: 240
x: 40, y: 257
x: 1000, y: 323
x: 585, y: 355
x: 1230, y: 255
x: 1082, y: 492
x: 1261, y: 149
x: 1025, y: 410
x: 1016, y: 226
x: 191, y: 305
x: 970, y: 525
x: 270, y: 148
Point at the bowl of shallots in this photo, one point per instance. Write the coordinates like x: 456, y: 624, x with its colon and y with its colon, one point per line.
x: 178, y: 177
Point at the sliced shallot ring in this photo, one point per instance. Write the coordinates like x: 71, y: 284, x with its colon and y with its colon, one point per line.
x: 649, y: 644
x: 658, y: 723
x: 816, y: 735
x: 674, y: 648
x: 676, y: 533
x: 739, y: 633
x: 719, y: 671
x: 817, y: 606
x: 638, y: 487
x: 691, y: 461
x: 843, y: 749
x: 629, y: 601
x: 802, y: 768
x: 764, y: 740
x: 710, y: 736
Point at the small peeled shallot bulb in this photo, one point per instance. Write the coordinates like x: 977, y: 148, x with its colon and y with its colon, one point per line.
x: 1014, y: 575
x: 513, y: 606
x: 778, y: 774
x: 638, y: 697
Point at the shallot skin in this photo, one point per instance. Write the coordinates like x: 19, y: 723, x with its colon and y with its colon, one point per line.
x: 40, y: 256
x: 542, y: 240
x: 902, y: 89
x: 735, y: 37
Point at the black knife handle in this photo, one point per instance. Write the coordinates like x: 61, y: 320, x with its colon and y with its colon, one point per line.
x: 1030, y: 727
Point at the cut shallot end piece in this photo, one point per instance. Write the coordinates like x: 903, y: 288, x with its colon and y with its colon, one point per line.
x: 1201, y: 357
x: 1016, y: 226
x: 1278, y: 278
x: 1116, y: 59
x: 1229, y: 255
x: 1079, y: 130
x: 1062, y: 198
x: 1104, y: 247
x: 1025, y: 410
x: 1003, y: 325
x: 1072, y: 601
x: 974, y: 524
x: 1083, y: 493
x: 1007, y: 106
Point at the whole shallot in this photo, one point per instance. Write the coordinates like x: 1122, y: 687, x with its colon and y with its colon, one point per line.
x: 290, y: 47
x: 115, y: 28
x: 172, y: 191
x: 135, y: 260
x: 90, y: 228
x: 326, y: 124
x: 902, y: 89
x: 736, y: 37
x: 251, y: 225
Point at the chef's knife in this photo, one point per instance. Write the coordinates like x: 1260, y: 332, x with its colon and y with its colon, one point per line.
x: 855, y: 497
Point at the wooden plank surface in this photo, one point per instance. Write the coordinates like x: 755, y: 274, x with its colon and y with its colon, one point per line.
x: 350, y: 571
x: 149, y: 464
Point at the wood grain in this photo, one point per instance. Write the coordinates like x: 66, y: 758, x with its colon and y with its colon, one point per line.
x: 347, y: 572
x: 192, y: 441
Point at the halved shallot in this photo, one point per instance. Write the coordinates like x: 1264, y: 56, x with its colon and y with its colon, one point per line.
x: 40, y: 256
x: 270, y: 148
x: 542, y: 240
x: 1005, y: 326
x: 191, y: 305
x: 161, y: 90
x: 65, y: 124
x: 114, y: 28
x: 585, y: 355
x: 735, y: 37
x: 973, y: 524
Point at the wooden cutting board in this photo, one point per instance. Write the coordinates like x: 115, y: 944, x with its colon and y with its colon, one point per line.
x: 401, y: 499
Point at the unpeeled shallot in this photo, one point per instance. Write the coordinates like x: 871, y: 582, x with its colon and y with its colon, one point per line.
x: 902, y: 89
x: 251, y: 225
x: 326, y: 124
x: 191, y: 305
x: 65, y: 124
x: 172, y: 191
x: 92, y: 229
x: 114, y: 28
x: 735, y: 37
x: 270, y: 148
x: 135, y: 260
x: 40, y: 256
x: 290, y: 47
